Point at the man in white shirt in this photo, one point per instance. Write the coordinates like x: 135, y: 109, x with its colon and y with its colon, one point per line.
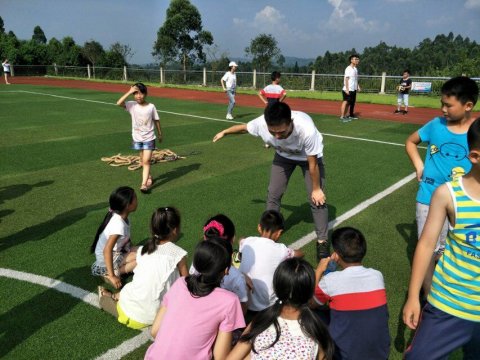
x: 297, y: 143
x: 229, y: 85
x: 349, y: 90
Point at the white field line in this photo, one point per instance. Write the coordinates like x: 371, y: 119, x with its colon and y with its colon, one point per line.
x: 202, y: 117
x: 354, y: 211
x: 130, y: 345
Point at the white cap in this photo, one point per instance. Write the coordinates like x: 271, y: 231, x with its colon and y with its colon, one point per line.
x: 232, y: 63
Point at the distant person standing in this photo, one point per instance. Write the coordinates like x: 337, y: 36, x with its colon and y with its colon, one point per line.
x: 403, y: 89
x: 350, y: 88
x: 229, y: 85
x: 273, y: 92
x: 6, y: 70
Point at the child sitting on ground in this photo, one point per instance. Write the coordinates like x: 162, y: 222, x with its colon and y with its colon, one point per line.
x: 288, y: 329
x: 159, y: 264
x: 357, y: 299
x: 222, y: 227
x: 113, y: 249
x: 260, y: 257
x: 197, y: 317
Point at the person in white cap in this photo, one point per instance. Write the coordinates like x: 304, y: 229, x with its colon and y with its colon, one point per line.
x: 229, y: 84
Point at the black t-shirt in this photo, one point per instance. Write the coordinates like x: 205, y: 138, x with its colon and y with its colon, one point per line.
x: 405, y: 83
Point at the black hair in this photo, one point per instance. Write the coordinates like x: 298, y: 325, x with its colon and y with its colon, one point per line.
x: 276, y: 75
x: 164, y: 220
x: 353, y: 56
x: 349, y: 243
x: 271, y: 221
x: 210, y: 260
x: 278, y: 113
x: 294, y: 285
x: 141, y: 87
x: 473, y: 135
x: 210, y: 231
x: 119, y: 200
x: 463, y: 88
x: 406, y: 71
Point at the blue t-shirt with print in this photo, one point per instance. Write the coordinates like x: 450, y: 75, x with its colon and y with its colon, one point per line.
x: 446, y: 157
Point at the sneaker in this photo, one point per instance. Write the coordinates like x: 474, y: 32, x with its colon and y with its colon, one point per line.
x: 353, y: 118
x: 344, y: 119
x: 229, y: 117
x: 323, y: 250
x: 397, y: 112
x: 405, y: 112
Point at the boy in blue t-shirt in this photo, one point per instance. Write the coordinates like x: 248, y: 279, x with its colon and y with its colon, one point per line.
x: 447, y: 153
x: 451, y: 317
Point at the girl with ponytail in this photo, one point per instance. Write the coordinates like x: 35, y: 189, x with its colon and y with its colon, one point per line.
x: 288, y: 329
x: 159, y: 264
x: 197, y: 317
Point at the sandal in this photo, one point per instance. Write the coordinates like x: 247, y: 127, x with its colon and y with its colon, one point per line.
x: 149, y: 182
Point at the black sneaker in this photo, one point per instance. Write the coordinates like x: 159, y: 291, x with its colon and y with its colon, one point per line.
x: 353, y: 117
x: 397, y: 111
x: 323, y: 250
x: 405, y: 112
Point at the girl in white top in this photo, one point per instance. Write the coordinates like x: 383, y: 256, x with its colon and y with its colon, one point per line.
x: 144, y: 121
x: 288, y: 329
x: 159, y: 264
x: 6, y: 70
x: 112, y: 246
x: 229, y: 85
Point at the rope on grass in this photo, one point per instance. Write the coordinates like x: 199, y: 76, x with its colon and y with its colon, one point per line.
x: 133, y: 161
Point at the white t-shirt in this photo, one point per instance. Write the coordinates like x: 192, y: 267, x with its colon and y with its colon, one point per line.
x: 143, y: 116
x: 305, y: 140
x: 234, y: 282
x: 352, y: 74
x: 230, y: 80
x: 6, y: 67
x: 116, y: 226
x: 153, y: 276
x: 260, y: 259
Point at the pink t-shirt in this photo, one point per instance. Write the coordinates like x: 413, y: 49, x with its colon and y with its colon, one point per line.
x: 190, y: 325
x: 143, y: 117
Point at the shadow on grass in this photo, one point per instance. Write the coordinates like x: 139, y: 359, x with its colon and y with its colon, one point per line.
x: 174, y: 174
x: 409, y: 234
x: 25, y: 319
x: 248, y: 115
x: 14, y: 191
x: 43, y: 230
x: 5, y: 212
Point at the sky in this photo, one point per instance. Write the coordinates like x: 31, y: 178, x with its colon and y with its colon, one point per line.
x: 302, y: 28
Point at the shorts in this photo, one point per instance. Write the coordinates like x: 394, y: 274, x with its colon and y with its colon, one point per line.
x: 402, y: 97
x: 125, y: 320
x: 101, y: 270
x: 421, y: 216
x: 348, y: 97
x: 143, y: 145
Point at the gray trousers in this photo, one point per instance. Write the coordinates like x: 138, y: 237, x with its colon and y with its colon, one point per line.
x: 282, y: 169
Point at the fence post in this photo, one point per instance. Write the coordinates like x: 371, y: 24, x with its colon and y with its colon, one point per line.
x: 56, y: 68
x: 204, y: 76
x: 384, y: 78
x: 125, y: 73
x: 161, y: 76
x: 312, y: 85
x: 12, y: 72
x: 254, y: 78
x: 88, y: 70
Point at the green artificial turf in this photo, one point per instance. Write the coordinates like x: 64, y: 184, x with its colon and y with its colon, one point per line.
x: 54, y: 193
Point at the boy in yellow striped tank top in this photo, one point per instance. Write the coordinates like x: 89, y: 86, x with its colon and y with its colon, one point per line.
x: 451, y: 317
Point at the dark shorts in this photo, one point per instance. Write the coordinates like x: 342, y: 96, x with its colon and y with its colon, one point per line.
x: 147, y: 145
x: 348, y: 97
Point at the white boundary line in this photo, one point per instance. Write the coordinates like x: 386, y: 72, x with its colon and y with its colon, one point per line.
x: 130, y: 345
x: 354, y: 211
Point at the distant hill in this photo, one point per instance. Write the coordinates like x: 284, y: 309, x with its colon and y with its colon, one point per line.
x: 290, y: 61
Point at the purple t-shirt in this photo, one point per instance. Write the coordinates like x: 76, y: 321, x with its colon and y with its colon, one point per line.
x: 190, y: 325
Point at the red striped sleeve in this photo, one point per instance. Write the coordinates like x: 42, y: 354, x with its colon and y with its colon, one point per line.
x: 358, y: 301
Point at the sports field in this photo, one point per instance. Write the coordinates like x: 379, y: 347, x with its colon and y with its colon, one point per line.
x: 54, y: 193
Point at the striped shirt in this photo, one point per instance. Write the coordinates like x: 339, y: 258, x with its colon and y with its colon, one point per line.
x: 456, y: 281
x: 273, y: 92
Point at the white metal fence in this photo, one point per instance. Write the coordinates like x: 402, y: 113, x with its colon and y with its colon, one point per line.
x: 248, y: 80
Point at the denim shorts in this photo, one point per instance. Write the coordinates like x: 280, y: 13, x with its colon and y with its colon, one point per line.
x: 140, y: 145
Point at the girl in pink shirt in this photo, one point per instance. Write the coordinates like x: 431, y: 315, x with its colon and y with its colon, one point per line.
x: 197, y: 317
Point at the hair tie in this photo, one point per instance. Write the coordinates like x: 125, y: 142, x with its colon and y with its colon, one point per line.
x: 215, y: 225
x: 110, y: 210
x: 280, y: 301
x: 156, y: 236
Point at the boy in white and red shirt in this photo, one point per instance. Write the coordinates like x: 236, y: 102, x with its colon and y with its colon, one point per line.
x: 357, y: 299
x: 273, y: 92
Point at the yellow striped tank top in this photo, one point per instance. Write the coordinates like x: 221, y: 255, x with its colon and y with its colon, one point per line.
x: 456, y: 281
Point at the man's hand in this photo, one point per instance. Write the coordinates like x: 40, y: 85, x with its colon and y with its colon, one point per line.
x: 318, y: 197
x: 217, y: 137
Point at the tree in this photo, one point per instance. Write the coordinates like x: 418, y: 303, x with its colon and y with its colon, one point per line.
x: 217, y: 61
x: 39, y: 36
x: 182, y: 37
x: 94, y: 52
x: 2, y: 26
x: 263, y: 49
x: 117, y: 55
